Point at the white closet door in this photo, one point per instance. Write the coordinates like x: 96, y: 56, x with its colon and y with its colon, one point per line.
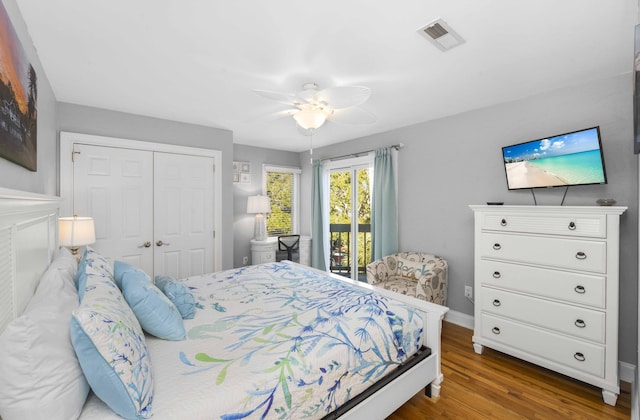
x: 115, y: 187
x: 184, y: 208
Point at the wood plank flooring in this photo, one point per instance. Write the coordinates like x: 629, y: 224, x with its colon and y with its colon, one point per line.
x: 497, y: 386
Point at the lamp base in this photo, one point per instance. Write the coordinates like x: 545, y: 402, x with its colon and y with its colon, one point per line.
x: 260, y: 228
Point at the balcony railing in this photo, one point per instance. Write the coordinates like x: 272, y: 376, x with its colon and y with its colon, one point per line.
x: 340, y: 259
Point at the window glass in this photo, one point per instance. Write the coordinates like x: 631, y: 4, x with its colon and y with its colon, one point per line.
x: 281, y: 186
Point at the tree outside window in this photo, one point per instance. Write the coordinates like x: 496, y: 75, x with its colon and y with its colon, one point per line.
x: 282, y: 189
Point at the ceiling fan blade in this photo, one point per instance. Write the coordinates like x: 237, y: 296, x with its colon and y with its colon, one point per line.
x: 285, y: 98
x: 340, y: 97
x: 353, y: 115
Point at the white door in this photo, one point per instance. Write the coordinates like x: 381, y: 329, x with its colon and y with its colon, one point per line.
x: 184, y: 208
x: 115, y: 187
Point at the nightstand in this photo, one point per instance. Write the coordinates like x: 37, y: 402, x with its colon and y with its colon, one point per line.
x: 265, y: 251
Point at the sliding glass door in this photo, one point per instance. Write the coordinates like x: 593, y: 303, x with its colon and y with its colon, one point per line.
x: 349, y: 218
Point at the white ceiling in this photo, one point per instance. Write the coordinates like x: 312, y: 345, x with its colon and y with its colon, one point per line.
x: 197, y: 61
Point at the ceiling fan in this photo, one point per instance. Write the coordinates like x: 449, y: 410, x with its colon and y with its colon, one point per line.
x: 311, y: 107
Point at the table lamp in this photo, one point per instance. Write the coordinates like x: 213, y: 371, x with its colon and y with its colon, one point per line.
x: 259, y: 204
x: 75, y: 232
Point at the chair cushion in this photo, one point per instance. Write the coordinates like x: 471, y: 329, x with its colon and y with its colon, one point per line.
x: 399, y: 284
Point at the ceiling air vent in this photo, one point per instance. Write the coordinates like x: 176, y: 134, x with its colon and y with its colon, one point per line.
x: 441, y: 35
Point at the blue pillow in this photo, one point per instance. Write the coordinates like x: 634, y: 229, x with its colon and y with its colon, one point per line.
x: 120, y: 268
x: 111, y: 349
x: 91, y: 262
x: 179, y: 294
x: 155, y: 312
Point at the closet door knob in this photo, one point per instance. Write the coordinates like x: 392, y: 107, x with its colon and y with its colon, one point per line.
x: 572, y: 226
x: 160, y: 243
x: 145, y: 245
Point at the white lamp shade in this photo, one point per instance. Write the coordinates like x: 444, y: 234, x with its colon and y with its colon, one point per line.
x: 76, y: 231
x: 310, y: 118
x: 258, y: 204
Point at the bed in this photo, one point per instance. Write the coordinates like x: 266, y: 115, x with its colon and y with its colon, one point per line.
x: 274, y: 340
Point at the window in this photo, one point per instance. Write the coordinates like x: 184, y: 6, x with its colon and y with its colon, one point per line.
x: 281, y: 185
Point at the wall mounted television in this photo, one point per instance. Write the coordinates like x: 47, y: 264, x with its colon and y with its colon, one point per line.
x: 563, y: 160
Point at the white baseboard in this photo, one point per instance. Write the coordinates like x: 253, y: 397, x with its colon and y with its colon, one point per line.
x: 459, y: 318
x: 627, y: 372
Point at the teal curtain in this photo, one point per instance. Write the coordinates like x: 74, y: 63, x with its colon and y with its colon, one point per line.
x: 384, y: 214
x: 317, y: 226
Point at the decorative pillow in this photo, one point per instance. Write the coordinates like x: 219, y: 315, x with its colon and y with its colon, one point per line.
x: 412, y: 269
x: 179, y: 294
x: 112, y: 351
x: 40, y: 377
x: 120, y: 268
x: 91, y: 262
x: 155, y: 312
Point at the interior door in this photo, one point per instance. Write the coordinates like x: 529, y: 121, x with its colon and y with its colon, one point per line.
x: 115, y: 187
x: 184, y: 208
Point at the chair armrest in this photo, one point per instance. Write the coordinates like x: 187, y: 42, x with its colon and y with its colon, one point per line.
x: 432, y: 286
x: 378, y: 272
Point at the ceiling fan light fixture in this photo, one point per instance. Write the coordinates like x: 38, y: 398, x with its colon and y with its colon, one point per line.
x: 311, y: 118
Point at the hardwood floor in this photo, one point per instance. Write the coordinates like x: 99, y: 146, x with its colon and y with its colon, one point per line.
x: 497, y: 386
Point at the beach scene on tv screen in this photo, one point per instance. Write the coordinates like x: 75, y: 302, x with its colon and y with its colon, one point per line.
x: 568, y: 159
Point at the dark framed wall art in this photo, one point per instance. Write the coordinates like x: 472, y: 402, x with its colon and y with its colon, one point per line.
x: 18, y: 99
x: 636, y: 92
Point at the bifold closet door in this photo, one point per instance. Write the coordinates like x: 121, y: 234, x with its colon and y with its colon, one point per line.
x: 183, y: 212
x: 115, y: 187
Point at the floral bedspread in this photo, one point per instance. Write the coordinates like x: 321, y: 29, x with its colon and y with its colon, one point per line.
x: 280, y: 341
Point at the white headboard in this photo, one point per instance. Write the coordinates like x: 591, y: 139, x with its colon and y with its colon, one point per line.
x: 28, y: 239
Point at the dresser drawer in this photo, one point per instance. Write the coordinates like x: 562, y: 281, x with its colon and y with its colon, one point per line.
x: 573, y: 320
x: 570, y: 225
x: 558, y: 348
x: 579, y: 288
x: 556, y: 252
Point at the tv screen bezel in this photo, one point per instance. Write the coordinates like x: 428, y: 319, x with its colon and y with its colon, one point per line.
x: 604, y: 169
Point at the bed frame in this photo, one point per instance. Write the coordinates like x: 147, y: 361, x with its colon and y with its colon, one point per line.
x: 28, y: 239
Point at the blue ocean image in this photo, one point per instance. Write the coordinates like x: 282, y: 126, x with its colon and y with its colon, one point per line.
x: 576, y: 168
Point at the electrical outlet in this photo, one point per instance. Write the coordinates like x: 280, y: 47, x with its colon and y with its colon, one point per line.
x: 245, y: 260
x: 468, y: 292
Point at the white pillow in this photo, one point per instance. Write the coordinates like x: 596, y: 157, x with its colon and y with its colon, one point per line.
x: 40, y: 377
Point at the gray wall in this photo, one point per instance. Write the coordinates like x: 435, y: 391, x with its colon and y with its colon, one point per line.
x: 14, y: 176
x: 242, y: 221
x: 87, y: 120
x: 450, y: 163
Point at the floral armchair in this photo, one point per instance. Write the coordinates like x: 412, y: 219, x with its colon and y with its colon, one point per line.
x: 416, y: 274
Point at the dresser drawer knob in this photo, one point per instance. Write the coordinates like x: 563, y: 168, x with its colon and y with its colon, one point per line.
x: 572, y: 226
x: 581, y: 255
x: 496, y: 302
x: 579, y: 357
x: 496, y: 275
x: 503, y: 222
x: 580, y: 289
x: 495, y: 330
x: 496, y: 246
x: 580, y: 323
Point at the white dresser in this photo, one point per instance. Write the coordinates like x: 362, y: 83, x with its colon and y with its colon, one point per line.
x: 546, y: 288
